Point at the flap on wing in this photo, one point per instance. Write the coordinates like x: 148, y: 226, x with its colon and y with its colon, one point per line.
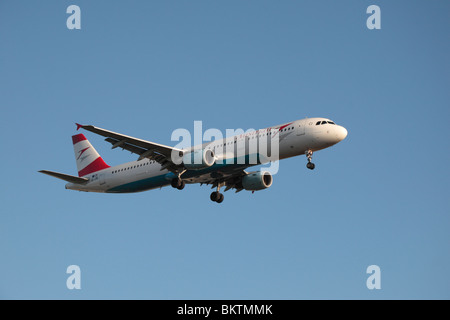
x: 65, y: 177
x: 230, y: 180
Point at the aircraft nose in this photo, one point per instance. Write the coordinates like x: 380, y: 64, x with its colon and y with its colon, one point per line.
x: 341, y: 133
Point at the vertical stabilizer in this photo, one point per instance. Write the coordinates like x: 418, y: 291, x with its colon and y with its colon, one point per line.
x: 88, y: 159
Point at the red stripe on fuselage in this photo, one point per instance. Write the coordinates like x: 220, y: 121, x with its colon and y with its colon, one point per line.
x: 282, y: 127
x: 77, y: 138
x: 97, y: 165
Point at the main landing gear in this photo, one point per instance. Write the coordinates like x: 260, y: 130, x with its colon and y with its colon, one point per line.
x: 177, y: 183
x: 309, y: 155
x: 216, y: 196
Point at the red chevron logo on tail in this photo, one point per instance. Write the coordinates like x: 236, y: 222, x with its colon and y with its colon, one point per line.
x: 82, y: 151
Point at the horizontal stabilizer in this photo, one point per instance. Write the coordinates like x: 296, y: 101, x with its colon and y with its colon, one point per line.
x: 66, y: 177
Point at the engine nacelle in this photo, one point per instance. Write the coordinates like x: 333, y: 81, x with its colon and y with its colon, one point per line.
x: 199, y: 159
x: 257, y: 180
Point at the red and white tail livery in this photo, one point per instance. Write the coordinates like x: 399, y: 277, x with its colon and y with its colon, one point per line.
x: 88, y: 159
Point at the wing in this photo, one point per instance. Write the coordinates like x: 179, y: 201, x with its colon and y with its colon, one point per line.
x: 229, y: 180
x: 145, y: 149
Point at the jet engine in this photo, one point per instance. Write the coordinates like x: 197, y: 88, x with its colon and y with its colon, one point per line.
x: 199, y: 159
x: 257, y: 180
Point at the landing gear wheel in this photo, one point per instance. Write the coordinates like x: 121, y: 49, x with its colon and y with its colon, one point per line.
x: 214, y: 196
x: 309, y: 155
x: 176, y: 183
x: 310, y: 165
x: 221, y: 197
x: 182, y: 185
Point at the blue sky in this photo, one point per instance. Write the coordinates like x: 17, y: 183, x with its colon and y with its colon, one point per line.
x: 145, y: 68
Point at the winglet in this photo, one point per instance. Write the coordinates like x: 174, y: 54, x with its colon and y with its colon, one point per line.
x: 79, y: 126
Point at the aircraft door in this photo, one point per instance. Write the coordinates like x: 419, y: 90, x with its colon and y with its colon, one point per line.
x: 101, y: 179
x: 301, y: 128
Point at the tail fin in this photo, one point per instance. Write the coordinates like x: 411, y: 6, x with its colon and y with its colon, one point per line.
x: 88, y: 159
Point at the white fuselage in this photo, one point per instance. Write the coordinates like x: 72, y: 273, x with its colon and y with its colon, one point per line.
x: 295, y: 138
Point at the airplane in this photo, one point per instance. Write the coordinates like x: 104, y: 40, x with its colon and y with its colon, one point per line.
x: 157, y: 167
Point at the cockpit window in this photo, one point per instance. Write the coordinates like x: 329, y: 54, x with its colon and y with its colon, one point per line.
x: 324, y: 122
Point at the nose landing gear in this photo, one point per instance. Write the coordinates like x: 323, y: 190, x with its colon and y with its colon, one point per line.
x: 309, y: 155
